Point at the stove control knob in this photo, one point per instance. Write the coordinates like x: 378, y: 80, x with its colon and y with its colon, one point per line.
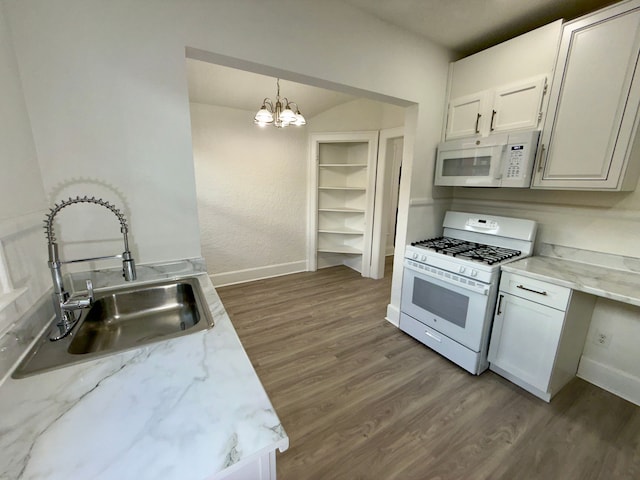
x: 462, y: 269
x: 474, y: 273
x: 415, y: 256
x: 423, y: 258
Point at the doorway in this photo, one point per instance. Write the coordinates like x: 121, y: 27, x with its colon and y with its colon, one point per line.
x: 390, y: 148
x: 250, y: 182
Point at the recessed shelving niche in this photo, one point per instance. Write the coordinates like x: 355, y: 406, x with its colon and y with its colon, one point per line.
x: 343, y: 171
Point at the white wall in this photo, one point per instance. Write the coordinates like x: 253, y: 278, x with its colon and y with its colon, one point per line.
x: 21, y: 190
x: 253, y: 208
x: 614, y: 366
x: 106, y: 90
x: 358, y: 115
x: 23, y: 268
x: 251, y: 186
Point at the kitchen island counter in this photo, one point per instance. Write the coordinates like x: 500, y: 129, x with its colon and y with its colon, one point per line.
x: 186, y: 408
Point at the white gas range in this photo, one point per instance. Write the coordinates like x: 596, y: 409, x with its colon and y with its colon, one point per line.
x: 451, y: 282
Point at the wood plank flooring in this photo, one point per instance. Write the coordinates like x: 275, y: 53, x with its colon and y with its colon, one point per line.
x: 360, y: 399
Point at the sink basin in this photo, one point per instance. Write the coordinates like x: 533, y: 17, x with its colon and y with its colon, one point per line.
x: 123, y: 318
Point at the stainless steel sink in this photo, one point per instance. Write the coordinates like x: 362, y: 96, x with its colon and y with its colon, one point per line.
x: 124, y: 318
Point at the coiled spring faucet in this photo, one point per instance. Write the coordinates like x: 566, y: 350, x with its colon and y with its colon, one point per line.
x: 67, y: 307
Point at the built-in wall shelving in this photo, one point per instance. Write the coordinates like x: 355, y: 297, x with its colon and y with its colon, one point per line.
x: 343, y: 166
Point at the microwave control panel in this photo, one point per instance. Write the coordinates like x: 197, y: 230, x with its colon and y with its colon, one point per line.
x: 515, y: 159
x: 518, y: 160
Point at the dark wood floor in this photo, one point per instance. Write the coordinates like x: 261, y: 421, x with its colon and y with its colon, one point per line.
x: 362, y: 400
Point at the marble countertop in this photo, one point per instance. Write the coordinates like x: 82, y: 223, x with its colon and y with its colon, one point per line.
x: 615, y: 284
x: 186, y: 408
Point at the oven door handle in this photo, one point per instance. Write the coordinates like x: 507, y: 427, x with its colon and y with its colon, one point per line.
x: 432, y: 336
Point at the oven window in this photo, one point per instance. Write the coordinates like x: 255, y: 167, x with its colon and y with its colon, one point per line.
x: 441, y: 301
x: 466, y: 167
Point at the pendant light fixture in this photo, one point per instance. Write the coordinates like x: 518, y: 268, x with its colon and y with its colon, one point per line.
x: 276, y: 115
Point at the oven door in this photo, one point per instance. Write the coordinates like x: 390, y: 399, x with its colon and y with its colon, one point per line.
x: 439, y: 300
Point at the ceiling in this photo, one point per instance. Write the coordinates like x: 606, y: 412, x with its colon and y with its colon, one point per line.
x: 468, y: 26
x: 464, y: 26
x: 229, y: 87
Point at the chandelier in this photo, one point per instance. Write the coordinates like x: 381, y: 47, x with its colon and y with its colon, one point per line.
x: 276, y: 115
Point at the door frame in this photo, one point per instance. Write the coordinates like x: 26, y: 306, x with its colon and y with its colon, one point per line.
x: 381, y: 208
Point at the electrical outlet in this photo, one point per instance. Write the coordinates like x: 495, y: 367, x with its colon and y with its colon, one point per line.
x: 602, y: 338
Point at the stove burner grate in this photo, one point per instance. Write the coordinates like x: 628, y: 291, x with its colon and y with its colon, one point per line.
x: 469, y: 250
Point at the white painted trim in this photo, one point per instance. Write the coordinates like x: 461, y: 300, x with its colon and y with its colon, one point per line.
x: 6, y: 286
x: 393, y: 315
x: 380, y: 210
x: 312, y: 205
x: 421, y: 202
x: 554, y: 208
x: 12, y: 226
x: 610, y: 379
x: 9, y: 294
x: 259, y: 273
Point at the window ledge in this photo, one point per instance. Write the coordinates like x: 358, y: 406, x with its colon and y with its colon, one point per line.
x: 8, y: 298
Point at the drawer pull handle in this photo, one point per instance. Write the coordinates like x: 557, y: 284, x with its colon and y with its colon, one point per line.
x: 500, y: 304
x: 439, y: 340
x: 531, y: 290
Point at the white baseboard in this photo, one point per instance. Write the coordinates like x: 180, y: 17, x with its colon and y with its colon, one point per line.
x: 611, y: 379
x: 259, y: 273
x: 393, y: 315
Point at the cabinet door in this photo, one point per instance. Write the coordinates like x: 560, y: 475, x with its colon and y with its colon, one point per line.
x: 465, y: 117
x: 593, y: 104
x: 517, y: 106
x: 525, y: 339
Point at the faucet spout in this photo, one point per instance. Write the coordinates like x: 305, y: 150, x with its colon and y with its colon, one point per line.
x: 67, y: 308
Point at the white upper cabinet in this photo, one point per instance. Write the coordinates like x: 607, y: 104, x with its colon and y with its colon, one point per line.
x: 589, y: 133
x: 510, y: 107
x: 465, y: 115
x: 502, y: 88
x: 518, y: 106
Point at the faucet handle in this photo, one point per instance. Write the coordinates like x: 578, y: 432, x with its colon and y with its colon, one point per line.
x: 90, y: 290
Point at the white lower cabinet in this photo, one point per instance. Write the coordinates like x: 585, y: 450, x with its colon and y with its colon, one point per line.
x: 538, y: 333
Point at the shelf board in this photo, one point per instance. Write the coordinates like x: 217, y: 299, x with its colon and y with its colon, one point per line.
x: 341, y: 210
x: 341, y: 231
x: 362, y: 189
x: 353, y: 165
x: 340, y: 249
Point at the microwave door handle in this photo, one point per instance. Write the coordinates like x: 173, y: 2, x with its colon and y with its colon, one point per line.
x: 498, y: 174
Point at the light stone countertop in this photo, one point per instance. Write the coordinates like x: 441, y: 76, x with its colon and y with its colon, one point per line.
x: 186, y: 408
x: 613, y: 283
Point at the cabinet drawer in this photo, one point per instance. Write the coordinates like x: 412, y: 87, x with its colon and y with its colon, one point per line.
x: 537, y: 291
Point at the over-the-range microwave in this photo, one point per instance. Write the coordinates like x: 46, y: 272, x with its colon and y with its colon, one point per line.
x: 498, y: 160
